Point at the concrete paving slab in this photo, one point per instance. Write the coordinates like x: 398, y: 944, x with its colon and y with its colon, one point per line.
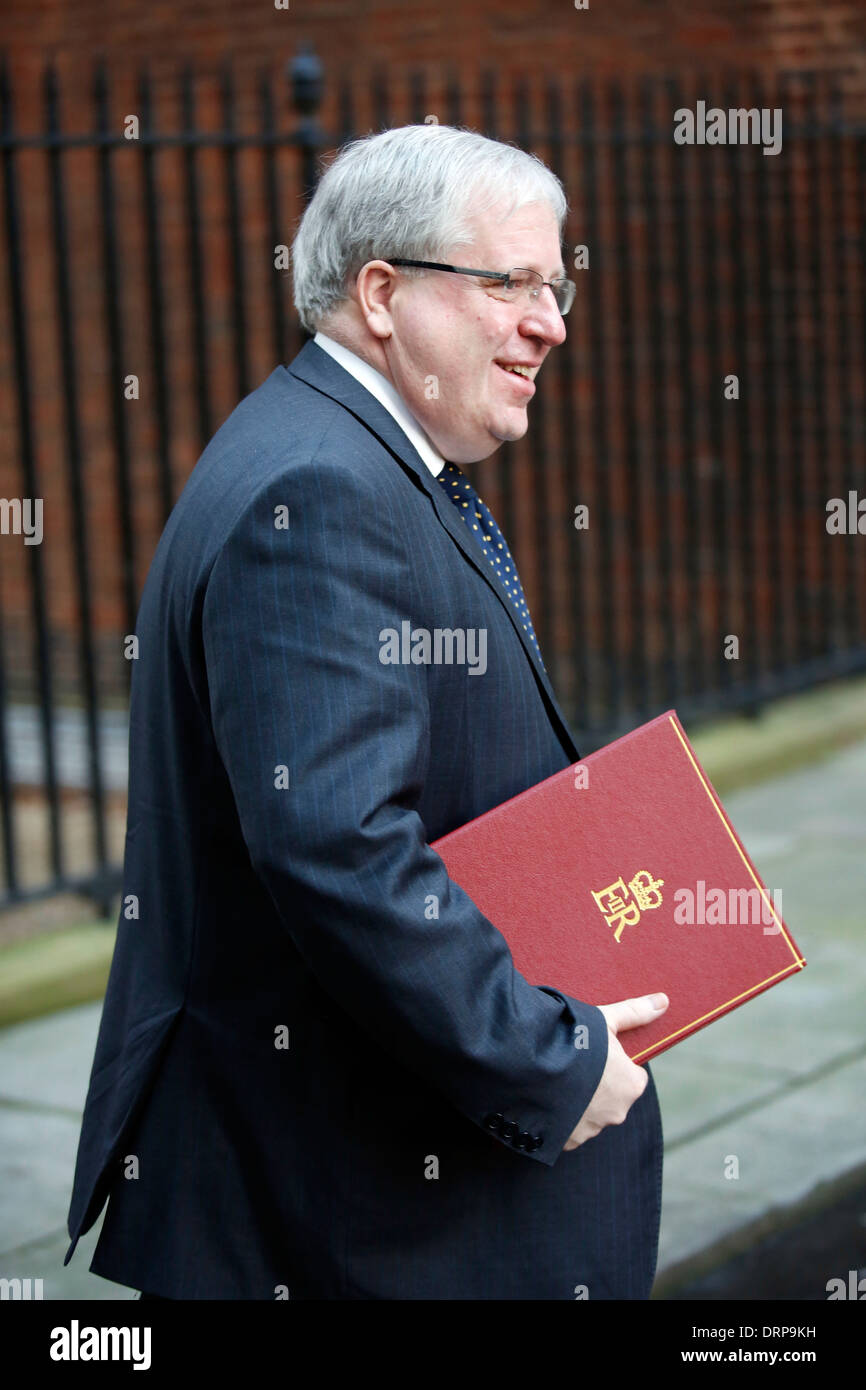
x: 793, y: 1038
x: 43, y: 1259
x: 37, y: 1160
x: 691, y: 1097
x: 47, y: 1061
x: 44, y: 1072
x: 778, y: 1084
x: 784, y: 1150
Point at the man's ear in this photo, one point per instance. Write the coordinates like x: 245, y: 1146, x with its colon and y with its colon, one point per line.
x: 375, y: 286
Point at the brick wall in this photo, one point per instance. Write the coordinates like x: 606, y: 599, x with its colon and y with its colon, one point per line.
x: 611, y: 36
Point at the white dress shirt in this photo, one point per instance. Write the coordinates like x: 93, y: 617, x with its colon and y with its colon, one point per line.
x: 380, y: 387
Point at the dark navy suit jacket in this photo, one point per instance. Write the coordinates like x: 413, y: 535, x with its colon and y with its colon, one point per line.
x: 318, y: 1073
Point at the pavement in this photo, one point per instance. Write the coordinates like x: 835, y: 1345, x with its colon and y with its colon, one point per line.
x: 763, y: 1111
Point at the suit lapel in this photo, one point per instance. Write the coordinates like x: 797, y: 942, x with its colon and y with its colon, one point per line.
x: 318, y: 369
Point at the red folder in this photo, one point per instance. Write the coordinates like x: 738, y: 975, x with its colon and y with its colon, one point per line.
x: 622, y: 875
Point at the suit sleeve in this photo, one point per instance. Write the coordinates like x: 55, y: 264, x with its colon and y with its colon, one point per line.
x: 327, y: 750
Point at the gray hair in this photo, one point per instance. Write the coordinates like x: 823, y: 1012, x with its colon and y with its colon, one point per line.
x: 406, y: 192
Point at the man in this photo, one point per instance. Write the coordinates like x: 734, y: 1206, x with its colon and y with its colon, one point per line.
x: 318, y: 1074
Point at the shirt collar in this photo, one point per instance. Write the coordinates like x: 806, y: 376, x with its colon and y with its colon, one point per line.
x: 387, y: 394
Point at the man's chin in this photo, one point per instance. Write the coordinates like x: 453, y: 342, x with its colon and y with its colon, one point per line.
x: 511, y: 427
x: 499, y: 433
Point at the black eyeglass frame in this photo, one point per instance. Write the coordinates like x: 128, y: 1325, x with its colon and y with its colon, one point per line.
x: 502, y: 275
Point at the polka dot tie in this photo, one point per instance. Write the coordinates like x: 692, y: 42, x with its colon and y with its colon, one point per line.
x: 479, y: 520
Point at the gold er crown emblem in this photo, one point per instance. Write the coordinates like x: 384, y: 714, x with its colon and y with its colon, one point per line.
x: 621, y: 905
x: 646, y: 889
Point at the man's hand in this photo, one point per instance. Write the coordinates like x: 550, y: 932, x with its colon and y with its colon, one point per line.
x: 622, y: 1081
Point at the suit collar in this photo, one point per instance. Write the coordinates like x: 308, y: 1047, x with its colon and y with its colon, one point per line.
x: 323, y: 373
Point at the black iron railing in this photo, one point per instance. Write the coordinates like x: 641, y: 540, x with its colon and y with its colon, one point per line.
x: 707, y: 514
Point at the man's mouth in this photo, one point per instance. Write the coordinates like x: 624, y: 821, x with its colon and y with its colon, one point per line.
x: 521, y: 374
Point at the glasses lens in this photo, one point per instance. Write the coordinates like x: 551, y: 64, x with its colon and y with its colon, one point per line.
x: 520, y: 280
x: 564, y: 292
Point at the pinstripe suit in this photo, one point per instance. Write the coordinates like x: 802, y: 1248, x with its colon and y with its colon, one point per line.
x: 308, y: 1028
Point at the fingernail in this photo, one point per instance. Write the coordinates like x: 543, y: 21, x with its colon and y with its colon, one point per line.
x: 659, y: 1001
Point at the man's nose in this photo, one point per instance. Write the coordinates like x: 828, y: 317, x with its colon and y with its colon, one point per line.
x: 543, y: 311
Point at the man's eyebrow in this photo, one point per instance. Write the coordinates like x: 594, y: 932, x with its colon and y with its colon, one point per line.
x: 557, y: 274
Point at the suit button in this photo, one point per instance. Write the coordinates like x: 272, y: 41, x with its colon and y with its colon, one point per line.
x: 494, y: 1122
x: 522, y: 1140
x: 536, y: 1141
x: 509, y: 1129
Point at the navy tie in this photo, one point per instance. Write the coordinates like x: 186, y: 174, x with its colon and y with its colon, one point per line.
x: 479, y: 519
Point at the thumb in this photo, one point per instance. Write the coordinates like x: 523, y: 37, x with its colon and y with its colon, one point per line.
x: 631, y: 1013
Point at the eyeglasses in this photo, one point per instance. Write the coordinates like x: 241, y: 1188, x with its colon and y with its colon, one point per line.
x: 515, y: 283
